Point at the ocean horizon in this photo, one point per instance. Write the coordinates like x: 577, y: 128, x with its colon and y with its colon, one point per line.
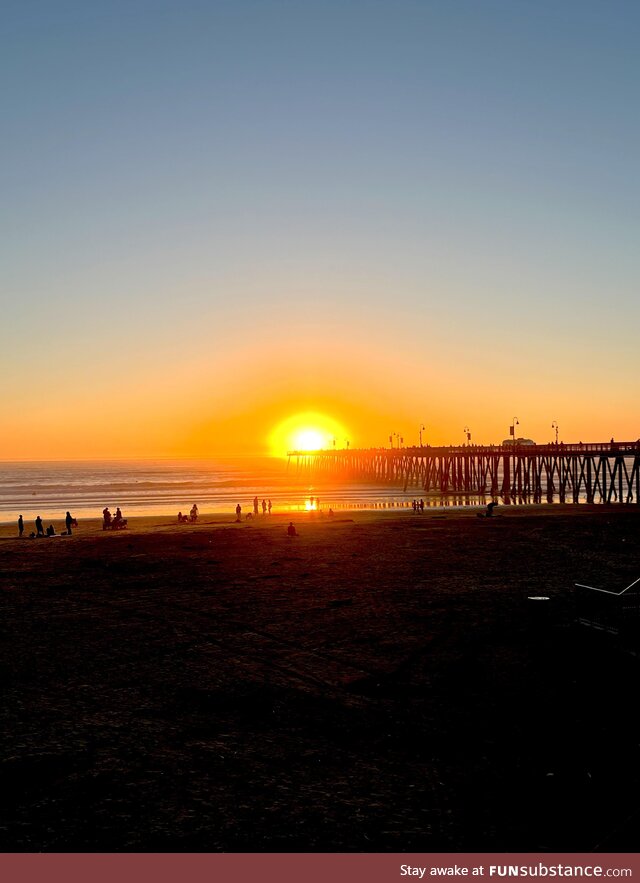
x: 142, y: 487
x: 159, y: 487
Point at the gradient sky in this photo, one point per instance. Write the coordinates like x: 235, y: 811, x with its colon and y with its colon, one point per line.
x: 215, y: 215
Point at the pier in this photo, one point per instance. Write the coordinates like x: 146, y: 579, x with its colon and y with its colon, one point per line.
x: 596, y: 472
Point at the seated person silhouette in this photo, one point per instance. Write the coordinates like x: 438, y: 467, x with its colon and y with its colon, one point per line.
x: 490, y: 507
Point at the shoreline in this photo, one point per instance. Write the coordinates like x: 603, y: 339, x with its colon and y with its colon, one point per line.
x: 140, y: 523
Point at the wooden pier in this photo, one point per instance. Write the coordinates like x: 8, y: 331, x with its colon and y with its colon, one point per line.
x: 595, y: 472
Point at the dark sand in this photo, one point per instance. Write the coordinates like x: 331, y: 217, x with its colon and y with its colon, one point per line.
x: 376, y: 684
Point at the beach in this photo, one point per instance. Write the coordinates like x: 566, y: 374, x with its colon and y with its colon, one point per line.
x: 380, y: 682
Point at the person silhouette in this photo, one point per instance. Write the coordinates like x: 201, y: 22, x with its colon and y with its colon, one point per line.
x: 291, y: 531
x: 20, y: 525
x: 264, y: 507
x: 39, y: 527
x: 68, y: 522
x: 269, y: 507
x: 238, y: 512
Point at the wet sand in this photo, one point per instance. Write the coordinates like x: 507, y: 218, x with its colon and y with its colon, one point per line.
x: 380, y: 683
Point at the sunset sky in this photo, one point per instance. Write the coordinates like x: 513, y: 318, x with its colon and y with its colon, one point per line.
x: 219, y: 215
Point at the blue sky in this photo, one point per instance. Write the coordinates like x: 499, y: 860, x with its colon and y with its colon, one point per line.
x: 188, y: 181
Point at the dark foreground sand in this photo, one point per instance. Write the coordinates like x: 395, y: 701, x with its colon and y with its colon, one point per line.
x: 376, y: 684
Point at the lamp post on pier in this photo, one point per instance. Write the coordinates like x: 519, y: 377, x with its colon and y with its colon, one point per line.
x: 555, y: 426
x: 512, y: 430
x: 467, y: 434
x: 422, y: 426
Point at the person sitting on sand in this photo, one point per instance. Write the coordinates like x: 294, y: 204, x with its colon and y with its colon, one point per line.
x: 291, y: 531
x: 51, y: 531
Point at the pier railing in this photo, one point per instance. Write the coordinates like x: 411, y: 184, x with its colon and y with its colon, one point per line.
x: 593, y: 471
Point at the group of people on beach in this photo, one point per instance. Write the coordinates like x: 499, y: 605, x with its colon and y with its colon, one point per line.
x: 417, y: 505
x: 266, y: 506
x: 50, y: 531
x: 191, y: 518
x: 113, y: 522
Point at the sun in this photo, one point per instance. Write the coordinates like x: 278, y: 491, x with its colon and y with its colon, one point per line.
x: 308, y: 431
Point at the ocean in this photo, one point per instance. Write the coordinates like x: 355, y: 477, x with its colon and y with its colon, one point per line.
x: 165, y: 487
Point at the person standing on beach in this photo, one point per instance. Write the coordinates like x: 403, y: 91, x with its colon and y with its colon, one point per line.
x: 39, y: 527
x: 264, y: 507
x: 269, y: 507
x: 20, y: 525
x: 68, y: 522
x: 255, y: 505
x: 238, y: 512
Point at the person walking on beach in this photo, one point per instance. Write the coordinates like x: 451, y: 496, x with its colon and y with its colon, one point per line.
x: 39, y: 527
x: 264, y: 507
x: 68, y: 522
x: 255, y: 505
x: 238, y: 512
x: 269, y: 507
x: 20, y: 525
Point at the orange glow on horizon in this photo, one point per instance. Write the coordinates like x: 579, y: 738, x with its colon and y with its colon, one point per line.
x: 308, y: 431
